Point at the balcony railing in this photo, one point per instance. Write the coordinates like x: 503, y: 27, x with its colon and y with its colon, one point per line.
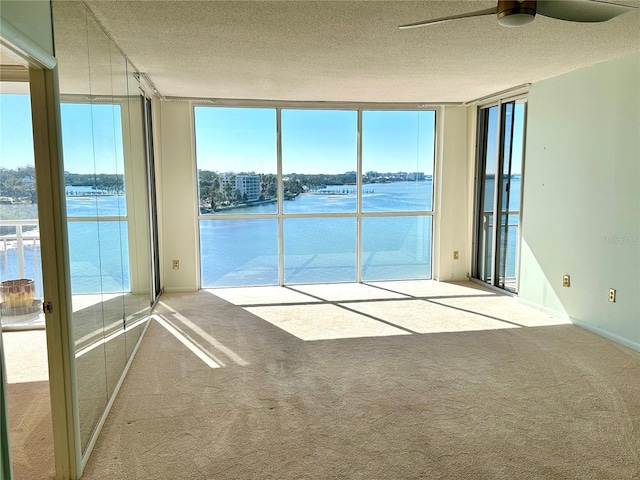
x: 13, y: 248
x: 512, y: 245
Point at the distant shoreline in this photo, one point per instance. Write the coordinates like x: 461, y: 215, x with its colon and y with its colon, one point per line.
x: 92, y: 194
x: 241, y: 205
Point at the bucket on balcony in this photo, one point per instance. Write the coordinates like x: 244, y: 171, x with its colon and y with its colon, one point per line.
x: 17, y: 296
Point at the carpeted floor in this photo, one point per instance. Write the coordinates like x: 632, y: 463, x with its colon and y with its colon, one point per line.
x: 402, y: 380
x: 30, y: 431
x: 29, y: 405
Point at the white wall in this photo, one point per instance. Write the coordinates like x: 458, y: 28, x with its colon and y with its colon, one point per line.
x: 452, y: 196
x: 581, y: 211
x: 177, y: 196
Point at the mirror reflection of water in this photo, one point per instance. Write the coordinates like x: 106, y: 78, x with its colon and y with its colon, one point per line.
x: 96, y: 266
x: 102, y: 266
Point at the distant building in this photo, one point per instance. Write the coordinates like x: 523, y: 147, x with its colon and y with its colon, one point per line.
x: 415, y: 176
x: 248, y: 185
x: 245, y: 187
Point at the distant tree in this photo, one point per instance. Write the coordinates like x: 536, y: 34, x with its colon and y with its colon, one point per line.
x: 19, y: 184
x: 268, y: 186
x: 209, y: 187
x: 102, y: 182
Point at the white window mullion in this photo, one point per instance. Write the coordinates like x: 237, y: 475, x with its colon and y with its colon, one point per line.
x: 359, y: 202
x: 496, y: 196
x: 280, y: 197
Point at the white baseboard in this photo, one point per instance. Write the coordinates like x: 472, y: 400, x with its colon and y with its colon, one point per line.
x: 608, y: 335
x: 179, y: 290
x: 592, y: 328
x: 550, y: 311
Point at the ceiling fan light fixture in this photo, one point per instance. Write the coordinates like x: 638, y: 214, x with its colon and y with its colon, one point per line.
x: 512, y: 13
x: 516, y: 19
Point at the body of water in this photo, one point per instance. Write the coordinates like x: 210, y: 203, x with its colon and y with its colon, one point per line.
x: 319, y: 249
x: 98, y: 250
x: 238, y: 252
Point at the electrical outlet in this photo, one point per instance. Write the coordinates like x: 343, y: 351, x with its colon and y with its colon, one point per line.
x: 176, y: 264
x: 566, y: 281
x: 455, y: 255
x: 612, y: 295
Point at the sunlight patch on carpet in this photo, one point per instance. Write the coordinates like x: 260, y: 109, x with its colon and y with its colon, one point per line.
x: 198, y: 352
x: 260, y: 296
x: 323, y: 322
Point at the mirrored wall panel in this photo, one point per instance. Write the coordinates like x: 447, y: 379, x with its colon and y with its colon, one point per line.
x: 106, y: 206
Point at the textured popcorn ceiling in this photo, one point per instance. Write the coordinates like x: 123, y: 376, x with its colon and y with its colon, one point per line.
x: 349, y: 50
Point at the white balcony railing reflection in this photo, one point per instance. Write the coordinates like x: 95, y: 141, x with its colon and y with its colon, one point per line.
x: 511, y: 254
x: 20, y: 252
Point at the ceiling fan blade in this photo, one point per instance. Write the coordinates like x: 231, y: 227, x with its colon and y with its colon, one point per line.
x: 480, y: 13
x: 581, y: 10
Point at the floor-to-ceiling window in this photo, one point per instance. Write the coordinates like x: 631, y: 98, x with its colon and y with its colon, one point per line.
x: 295, y: 195
x: 398, y: 149
x: 319, y: 163
x: 499, y: 164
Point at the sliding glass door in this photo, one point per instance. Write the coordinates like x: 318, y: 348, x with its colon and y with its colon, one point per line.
x: 499, y: 166
x: 156, y: 286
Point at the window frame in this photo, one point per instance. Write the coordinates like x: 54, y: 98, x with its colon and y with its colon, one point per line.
x: 359, y: 214
x: 122, y: 103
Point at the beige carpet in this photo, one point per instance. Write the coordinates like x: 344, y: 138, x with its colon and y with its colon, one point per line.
x: 30, y: 431
x: 395, y: 381
x: 29, y: 405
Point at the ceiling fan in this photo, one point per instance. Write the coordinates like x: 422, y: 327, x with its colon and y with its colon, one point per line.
x: 514, y: 13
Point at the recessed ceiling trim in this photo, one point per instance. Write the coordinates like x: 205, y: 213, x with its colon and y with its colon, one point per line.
x: 513, y: 91
x: 146, y: 84
x: 227, y: 102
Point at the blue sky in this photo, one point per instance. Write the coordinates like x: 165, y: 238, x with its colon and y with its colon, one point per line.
x: 518, y: 139
x: 244, y: 139
x: 95, y: 146
x: 16, y: 137
x: 84, y: 152
x: 516, y: 161
x: 313, y: 141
